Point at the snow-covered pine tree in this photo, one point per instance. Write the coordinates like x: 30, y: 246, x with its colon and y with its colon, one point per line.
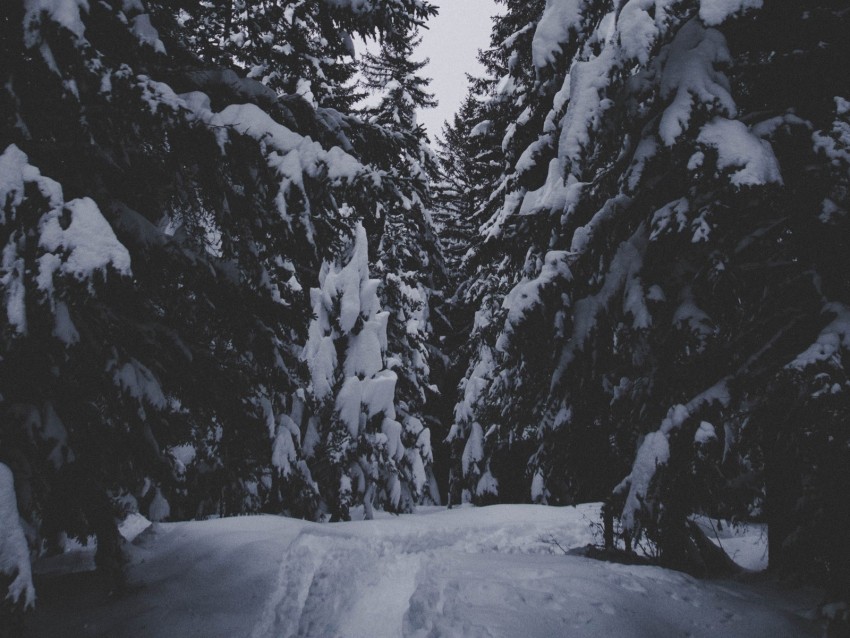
x: 354, y: 442
x: 502, y: 123
x: 680, y: 254
x: 394, y: 75
x: 291, y: 47
x: 153, y: 247
x: 148, y: 319
x: 408, y: 259
x: 303, y: 47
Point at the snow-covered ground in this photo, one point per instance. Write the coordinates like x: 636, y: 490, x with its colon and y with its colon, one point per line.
x: 492, y: 571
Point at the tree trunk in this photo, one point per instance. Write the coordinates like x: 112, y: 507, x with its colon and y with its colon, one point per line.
x: 608, y: 525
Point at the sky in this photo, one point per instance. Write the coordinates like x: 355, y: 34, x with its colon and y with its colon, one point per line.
x: 451, y: 42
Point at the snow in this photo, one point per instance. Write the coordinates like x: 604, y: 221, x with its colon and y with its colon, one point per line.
x: 553, y: 30
x: 348, y: 401
x: 622, y: 276
x: 320, y: 355
x: 745, y: 543
x: 655, y: 451
x: 713, y: 12
x: 363, y: 356
x: 379, y: 393
x: 392, y: 430
x: 705, y: 433
x: 88, y: 240
x: 139, y: 382
x: 835, y: 143
x: 639, y: 24
x: 831, y: 340
x: 15, y: 172
x: 473, y: 387
x: 64, y: 328
x: 482, y: 128
x: 556, y: 194
x: 159, y: 509
x: 526, y: 294
x: 690, y: 74
x: 76, y: 237
x: 645, y: 151
x: 588, y: 80
x: 14, y: 553
x: 146, y: 33
x: 284, y: 454
x: 491, y: 571
x: 738, y: 148
x: 65, y: 13
x: 673, y: 216
x: 12, y: 280
x: 473, y: 451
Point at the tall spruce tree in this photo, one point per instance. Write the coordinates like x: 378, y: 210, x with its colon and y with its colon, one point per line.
x: 354, y: 442
x: 408, y: 258
x: 463, y: 186
x: 501, y: 126
x: 676, y: 252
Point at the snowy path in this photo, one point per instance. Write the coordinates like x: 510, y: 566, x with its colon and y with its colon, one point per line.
x: 469, y: 572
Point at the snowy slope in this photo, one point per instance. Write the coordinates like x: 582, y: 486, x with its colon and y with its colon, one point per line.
x: 490, y: 571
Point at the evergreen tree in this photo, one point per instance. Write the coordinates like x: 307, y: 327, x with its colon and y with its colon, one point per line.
x: 291, y: 47
x: 501, y: 126
x: 395, y: 75
x: 409, y: 258
x: 463, y: 186
x: 675, y: 251
x: 154, y: 247
x: 354, y: 441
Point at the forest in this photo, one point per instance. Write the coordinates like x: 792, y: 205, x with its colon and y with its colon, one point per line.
x: 240, y: 278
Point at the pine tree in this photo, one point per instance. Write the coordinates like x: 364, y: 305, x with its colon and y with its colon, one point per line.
x: 291, y: 47
x: 499, y: 130
x: 395, y: 75
x: 463, y: 186
x: 676, y: 257
x: 154, y: 247
x: 303, y: 47
x: 354, y: 441
x: 408, y: 258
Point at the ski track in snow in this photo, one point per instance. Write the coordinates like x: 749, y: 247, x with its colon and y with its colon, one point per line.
x: 312, y: 581
x: 474, y: 572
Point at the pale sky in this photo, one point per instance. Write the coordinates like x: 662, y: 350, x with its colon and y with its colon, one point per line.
x: 451, y: 42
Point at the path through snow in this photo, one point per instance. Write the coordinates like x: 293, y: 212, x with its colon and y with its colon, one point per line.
x: 467, y: 572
